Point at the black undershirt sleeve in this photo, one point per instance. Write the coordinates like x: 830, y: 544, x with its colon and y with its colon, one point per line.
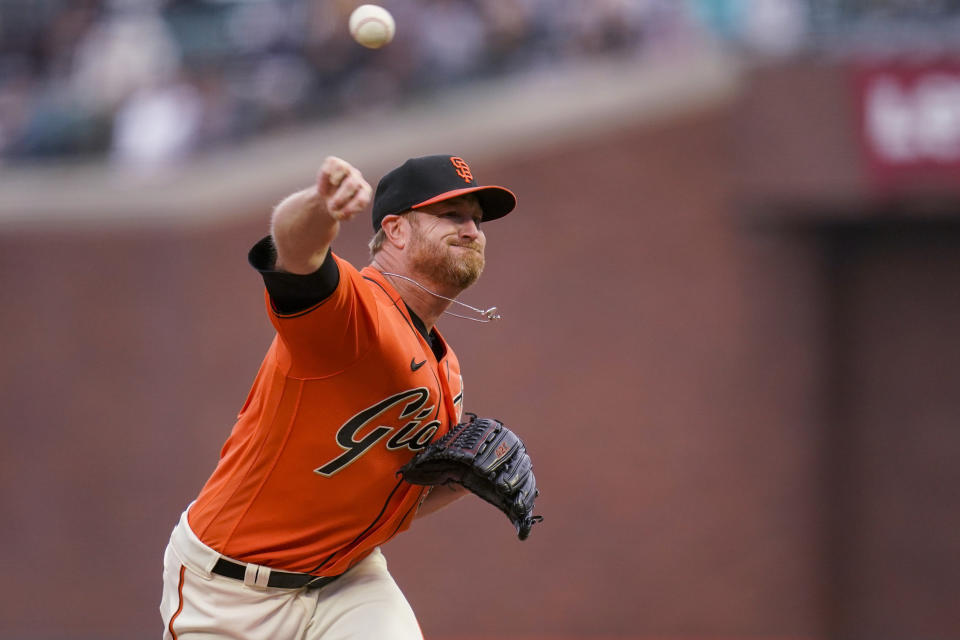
x: 291, y: 292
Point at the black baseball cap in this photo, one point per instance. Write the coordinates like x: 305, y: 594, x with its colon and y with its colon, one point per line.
x: 428, y: 179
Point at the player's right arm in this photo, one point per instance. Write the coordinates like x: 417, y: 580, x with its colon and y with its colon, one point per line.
x: 306, y: 299
x: 305, y: 223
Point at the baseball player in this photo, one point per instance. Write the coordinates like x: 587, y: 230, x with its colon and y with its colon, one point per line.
x: 283, y: 541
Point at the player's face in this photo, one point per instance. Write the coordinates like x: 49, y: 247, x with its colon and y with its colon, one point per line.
x: 447, y: 244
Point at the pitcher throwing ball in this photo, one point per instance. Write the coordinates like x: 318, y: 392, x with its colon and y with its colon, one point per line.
x: 354, y: 424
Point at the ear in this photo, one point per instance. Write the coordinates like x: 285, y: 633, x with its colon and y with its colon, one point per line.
x: 396, y: 228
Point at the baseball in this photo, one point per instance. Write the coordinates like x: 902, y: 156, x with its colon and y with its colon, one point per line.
x: 372, y: 26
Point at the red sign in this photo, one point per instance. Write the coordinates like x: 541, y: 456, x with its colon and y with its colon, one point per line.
x: 909, y: 121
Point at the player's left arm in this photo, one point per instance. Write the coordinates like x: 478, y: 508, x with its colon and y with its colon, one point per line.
x: 441, y: 496
x: 489, y: 460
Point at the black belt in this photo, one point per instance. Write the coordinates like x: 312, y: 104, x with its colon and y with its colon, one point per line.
x: 278, y: 579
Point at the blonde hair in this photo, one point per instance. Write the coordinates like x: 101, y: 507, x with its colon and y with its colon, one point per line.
x: 376, y: 242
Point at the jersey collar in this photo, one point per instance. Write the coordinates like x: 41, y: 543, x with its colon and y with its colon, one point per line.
x: 436, y: 342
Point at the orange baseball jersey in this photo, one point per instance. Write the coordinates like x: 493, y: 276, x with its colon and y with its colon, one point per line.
x: 348, y: 391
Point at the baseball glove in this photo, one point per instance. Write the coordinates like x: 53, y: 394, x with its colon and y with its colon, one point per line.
x: 488, y: 459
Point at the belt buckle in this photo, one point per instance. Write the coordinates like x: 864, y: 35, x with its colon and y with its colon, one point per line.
x: 323, y: 580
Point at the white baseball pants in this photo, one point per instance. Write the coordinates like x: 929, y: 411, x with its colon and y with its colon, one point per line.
x: 198, y: 605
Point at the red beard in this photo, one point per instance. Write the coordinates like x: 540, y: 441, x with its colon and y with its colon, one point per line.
x: 445, y: 264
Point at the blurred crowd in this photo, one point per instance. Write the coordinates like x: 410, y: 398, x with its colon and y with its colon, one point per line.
x: 147, y: 82
x: 150, y: 81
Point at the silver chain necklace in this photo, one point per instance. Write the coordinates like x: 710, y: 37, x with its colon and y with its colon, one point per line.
x: 489, y: 315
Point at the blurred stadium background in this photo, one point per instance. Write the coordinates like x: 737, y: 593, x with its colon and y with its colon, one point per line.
x: 731, y: 298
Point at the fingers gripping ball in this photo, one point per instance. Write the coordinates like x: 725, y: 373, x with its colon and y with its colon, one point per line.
x: 488, y: 459
x: 372, y: 26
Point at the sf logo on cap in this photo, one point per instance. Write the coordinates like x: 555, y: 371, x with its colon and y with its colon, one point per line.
x: 463, y: 169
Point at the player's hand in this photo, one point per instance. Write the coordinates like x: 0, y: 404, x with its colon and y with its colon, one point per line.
x: 342, y: 188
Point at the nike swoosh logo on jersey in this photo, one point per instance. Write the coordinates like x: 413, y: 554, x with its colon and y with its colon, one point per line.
x: 414, y: 365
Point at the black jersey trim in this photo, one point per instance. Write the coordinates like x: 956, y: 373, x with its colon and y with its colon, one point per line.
x: 436, y: 345
x: 416, y: 505
x: 360, y: 535
x: 417, y: 324
x: 415, y: 330
x: 409, y: 324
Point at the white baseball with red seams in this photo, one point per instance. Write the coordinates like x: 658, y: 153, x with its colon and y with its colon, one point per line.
x: 372, y: 26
